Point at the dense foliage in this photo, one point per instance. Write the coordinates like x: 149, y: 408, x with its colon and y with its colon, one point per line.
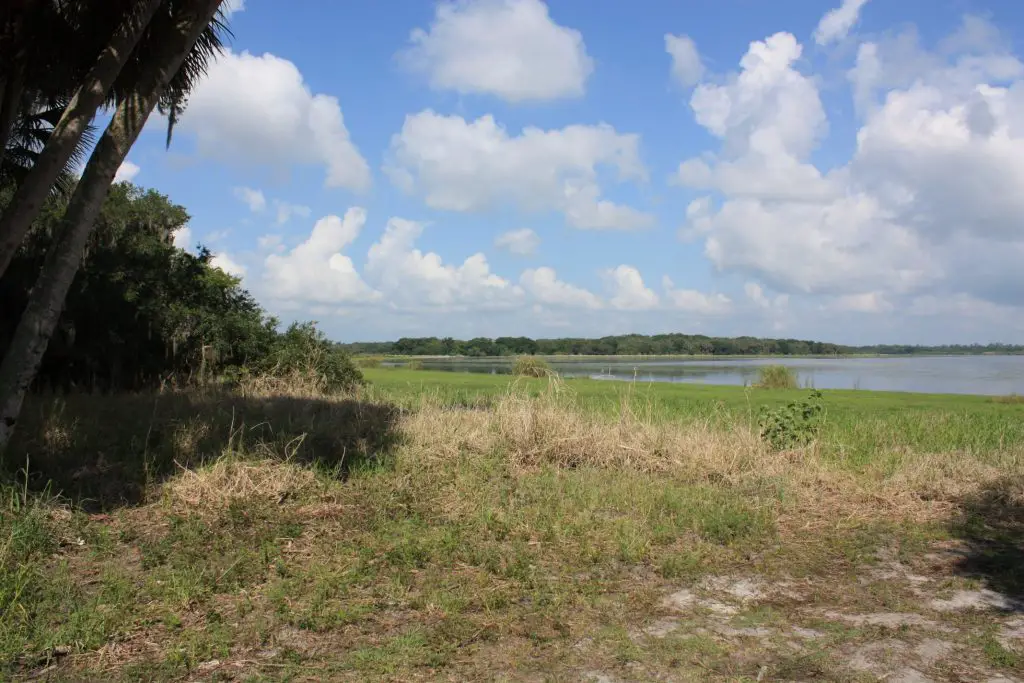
x: 638, y: 344
x: 142, y: 311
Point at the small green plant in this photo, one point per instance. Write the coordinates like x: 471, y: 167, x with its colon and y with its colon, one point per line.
x: 793, y: 425
x: 531, y: 366
x: 777, y: 377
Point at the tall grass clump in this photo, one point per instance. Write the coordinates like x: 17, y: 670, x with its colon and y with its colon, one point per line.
x: 777, y: 377
x: 531, y: 366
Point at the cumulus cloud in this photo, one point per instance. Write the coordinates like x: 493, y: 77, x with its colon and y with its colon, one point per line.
x: 756, y: 294
x: 865, y: 302
x: 254, y: 199
x: 252, y: 109
x: 687, y: 67
x: 522, y: 242
x: 628, y: 291
x: 183, y: 237
x: 508, y: 48
x: 545, y: 287
x: 837, y: 22
x: 316, y: 271
x: 126, y: 172
x: 412, y: 279
x: 229, y: 7
x: 227, y: 264
x: 928, y: 195
x: 471, y: 166
x: 285, y: 211
x: 694, y: 301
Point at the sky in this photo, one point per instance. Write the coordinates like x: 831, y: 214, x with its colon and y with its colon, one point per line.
x: 844, y: 170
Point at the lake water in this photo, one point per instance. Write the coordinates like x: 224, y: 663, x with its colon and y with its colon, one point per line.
x: 990, y: 375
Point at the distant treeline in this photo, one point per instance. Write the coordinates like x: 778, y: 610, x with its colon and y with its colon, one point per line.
x: 659, y: 344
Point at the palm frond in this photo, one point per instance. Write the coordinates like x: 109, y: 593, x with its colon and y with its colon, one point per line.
x: 209, y: 46
x: 31, y: 132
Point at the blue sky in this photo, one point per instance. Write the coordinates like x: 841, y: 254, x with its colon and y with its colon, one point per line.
x: 849, y: 171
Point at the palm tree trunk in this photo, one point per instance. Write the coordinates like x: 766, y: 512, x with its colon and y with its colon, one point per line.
x: 46, y: 301
x: 30, y: 195
x: 11, y: 90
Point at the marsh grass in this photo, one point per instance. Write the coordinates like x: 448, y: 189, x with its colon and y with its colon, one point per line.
x: 436, y: 533
x: 531, y: 366
x: 777, y: 377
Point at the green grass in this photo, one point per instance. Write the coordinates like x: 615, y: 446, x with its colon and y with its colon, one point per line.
x: 860, y: 426
x: 429, y: 529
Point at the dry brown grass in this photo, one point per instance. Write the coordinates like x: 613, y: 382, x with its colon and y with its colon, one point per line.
x: 215, y: 487
x: 551, y: 430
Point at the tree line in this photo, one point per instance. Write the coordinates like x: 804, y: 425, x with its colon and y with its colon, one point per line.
x: 658, y: 344
x: 143, y: 313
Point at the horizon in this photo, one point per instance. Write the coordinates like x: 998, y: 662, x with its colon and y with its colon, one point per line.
x: 685, y: 334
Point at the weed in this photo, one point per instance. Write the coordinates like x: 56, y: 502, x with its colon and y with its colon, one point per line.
x: 794, y: 425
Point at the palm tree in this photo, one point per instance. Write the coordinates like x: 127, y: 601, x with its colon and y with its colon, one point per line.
x: 158, y: 79
x: 67, y: 133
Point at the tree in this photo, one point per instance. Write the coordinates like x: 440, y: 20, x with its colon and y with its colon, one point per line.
x: 185, y: 23
x: 67, y: 132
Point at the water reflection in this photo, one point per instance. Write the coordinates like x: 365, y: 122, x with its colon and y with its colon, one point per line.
x: 991, y: 375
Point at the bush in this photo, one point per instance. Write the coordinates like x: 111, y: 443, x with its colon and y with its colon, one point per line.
x: 777, y: 377
x: 366, y: 361
x: 304, y: 352
x: 794, y: 425
x: 531, y: 366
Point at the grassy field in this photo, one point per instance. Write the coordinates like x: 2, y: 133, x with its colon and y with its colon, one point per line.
x: 441, y: 526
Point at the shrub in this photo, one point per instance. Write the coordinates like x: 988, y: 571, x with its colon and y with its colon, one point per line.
x: 531, y: 366
x: 303, y: 352
x: 776, y: 377
x: 794, y: 425
x: 366, y: 361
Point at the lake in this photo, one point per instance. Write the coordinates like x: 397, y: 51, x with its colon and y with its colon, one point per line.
x: 989, y: 375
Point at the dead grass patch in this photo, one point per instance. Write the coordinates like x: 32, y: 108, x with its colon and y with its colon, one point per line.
x: 215, y: 487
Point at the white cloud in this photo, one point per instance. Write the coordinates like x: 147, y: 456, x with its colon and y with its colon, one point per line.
x: 866, y: 302
x: 508, y: 48
x: 471, y: 166
x: 317, y: 271
x: 929, y: 195
x: 252, y: 109
x: 545, y: 287
x: 755, y: 293
x: 628, y: 291
x: 695, y: 301
x: 522, y: 242
x: 126, y: 172
x: 836, y: 23
x: 285, y: 211
x: 270, y: 242
x: 254, y: 199
x: 687, y: 68
x: 228, y: 265
x: 183, y: 237
x: 229, y: 7
x: 411, y: 279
